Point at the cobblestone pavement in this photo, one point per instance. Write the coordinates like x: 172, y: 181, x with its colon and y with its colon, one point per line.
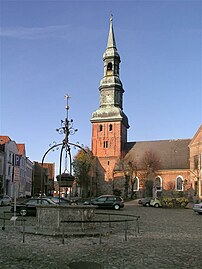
x: 168, y: 239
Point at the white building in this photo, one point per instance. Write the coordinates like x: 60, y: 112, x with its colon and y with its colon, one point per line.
x: 17, y: 169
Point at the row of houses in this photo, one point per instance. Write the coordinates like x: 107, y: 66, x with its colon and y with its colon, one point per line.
x: 19, y: 176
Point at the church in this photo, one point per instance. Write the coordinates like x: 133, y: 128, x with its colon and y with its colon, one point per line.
x: 165, y: 165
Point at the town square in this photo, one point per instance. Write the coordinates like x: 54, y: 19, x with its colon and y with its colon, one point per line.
x: 101, y: 134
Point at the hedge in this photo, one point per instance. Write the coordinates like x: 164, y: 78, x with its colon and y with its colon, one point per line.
x: 170, y: 202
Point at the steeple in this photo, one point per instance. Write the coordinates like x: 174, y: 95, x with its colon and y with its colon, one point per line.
x: 111, y: 39
x: 111, y: 89
x: 109, y: 122
x: 111, y: 50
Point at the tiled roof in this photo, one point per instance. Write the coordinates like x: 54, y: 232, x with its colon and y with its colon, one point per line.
x: 21, y: 148
x: 173, y: 154
x: 4, y: 139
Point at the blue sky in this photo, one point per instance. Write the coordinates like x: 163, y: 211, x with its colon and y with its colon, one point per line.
x: 50, y: 48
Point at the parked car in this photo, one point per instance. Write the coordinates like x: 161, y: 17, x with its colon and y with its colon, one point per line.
x: 5, y: 200
x: 149, y: 201
x: 145, y: 201
x: 28, y: 207
x: 155, y: 202
x: 64, y: 201
x: 198, y: 208
x: 107, y: 201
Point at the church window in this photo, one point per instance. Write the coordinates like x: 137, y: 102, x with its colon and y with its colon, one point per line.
x: 105, y: 144
x: 136, y: 184
x: 100, y: 127
x: 196, y: 162
x: 109, y: 66
x: 179, y: 183
x: 110, y: 127
x: 158, y: 183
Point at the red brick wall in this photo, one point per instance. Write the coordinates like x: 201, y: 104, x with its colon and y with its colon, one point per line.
x: 110, y: 153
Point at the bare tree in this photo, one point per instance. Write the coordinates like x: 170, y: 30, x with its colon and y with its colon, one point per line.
x: 128, y: 167
x: 150, y: 163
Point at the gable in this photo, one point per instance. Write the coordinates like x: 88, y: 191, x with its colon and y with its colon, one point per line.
x: 21, y: 149
x: 197, y: 137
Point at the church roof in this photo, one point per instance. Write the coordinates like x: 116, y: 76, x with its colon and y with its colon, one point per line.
x: 173, y: 154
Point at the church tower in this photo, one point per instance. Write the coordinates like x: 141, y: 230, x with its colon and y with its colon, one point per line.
x: 109, y: 123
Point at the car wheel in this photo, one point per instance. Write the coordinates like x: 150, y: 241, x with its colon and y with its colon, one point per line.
x: 156, y: 205
x: 117, y: 207
x: 147, y: 204
x: 23, y: 212
x: 200, y: 213
x: 73, y: 203
x: 2, y: 203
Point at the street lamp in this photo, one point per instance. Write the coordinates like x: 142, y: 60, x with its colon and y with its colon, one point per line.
x: 65, y: 179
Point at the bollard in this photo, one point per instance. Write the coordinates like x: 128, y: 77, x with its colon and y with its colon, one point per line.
x: 23, y: 230
x: 138, y: 228
x: 126, y: 229
x: 109, y: 221
x: 63, y: 233
x: 4, y: 222
x: 100, y: 239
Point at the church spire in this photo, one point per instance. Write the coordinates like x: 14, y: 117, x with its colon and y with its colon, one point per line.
x: 111, y: 88
x: 111, y: 50
x: 111, y: 39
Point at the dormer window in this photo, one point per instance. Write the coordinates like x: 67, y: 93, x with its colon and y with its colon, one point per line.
x: 109, y: 66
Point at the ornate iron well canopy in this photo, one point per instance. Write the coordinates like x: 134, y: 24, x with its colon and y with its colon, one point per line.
x: 66, y: 178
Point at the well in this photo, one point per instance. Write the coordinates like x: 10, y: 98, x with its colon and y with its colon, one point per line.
x: 49, y: 217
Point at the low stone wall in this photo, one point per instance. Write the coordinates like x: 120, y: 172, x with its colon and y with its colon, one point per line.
x: 49, y: 217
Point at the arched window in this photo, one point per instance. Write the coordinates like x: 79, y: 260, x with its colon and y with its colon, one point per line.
x: 136, y: 185
x: 179, y: 183
x: 100, y: 127
x: 158, y: 183
x: 110, y: 127
x: 109, y: 66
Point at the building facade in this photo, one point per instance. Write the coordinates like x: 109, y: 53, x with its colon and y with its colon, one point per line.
x: 43, y: 178
x: 16, y: 169
x: 195, y: 148
x: 173, y: 165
